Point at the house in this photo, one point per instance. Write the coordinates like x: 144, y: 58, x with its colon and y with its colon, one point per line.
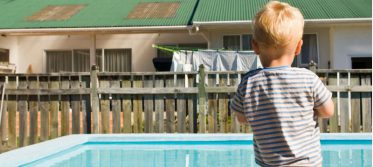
x: 117, y: 35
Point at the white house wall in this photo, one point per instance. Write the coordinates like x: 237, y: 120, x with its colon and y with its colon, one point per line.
x: 30, y: 50
x: 350, y: 41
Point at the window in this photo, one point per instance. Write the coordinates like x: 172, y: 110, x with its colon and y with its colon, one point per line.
x: 231, y: 42
x: 246, y: 42
x: 361, y: 62
x: 81, y: 60
x: 78, y: 60
x: 4, y: 56
x: 237, y: 42
x: 58, y: 61
x: 308, y: 53
x: 117, y: 60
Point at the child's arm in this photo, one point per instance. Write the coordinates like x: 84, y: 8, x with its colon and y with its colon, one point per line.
x: 237, y: 107
x: 241, y: 118
x: 326, y: 110
x: 323, y: 104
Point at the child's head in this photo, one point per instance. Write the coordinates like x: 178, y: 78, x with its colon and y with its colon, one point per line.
x: 278, y: 25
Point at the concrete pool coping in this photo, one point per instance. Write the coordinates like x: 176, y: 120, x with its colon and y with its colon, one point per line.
x: 34, y: 152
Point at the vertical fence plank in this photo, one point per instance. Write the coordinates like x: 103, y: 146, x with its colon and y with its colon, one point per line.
x: 54, y: 107
x: 94, y: 99
x: 181, y: 106
x: 170, y: 106
x: 344, y: 105
x: 114, y: 83
x: 223, y: 107
x: 86, y: 105
x: 65, y: 107
x: 148, y: 105
x: 126, y: 105
x: 105, y: 105
x: 366, y: 102
x: 22, y: 109
x: 4, y: 118
x: 355, y: 105
x: 75, y: 105
x: 201, y: 100
x: 137, y: 105
x: 212, y: 104
x: 192, y: 101
x: 159, y: 105
x: 34, y: 108
x: 44, y: 109
x: 12, y: 109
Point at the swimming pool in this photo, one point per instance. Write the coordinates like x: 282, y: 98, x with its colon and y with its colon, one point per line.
x: 174, y: 150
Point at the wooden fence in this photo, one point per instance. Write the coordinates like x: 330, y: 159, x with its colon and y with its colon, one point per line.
x: 39, y: 107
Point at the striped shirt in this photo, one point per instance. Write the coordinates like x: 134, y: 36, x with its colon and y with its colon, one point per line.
x: 279, y: 105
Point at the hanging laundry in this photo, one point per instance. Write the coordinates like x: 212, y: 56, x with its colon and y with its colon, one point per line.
x: 215, y: 60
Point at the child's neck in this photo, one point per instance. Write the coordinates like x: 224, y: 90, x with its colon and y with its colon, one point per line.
x: 282, y: 61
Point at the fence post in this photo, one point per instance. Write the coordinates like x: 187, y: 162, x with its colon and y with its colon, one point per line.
x: 202, y: 100
x: 94, y: 99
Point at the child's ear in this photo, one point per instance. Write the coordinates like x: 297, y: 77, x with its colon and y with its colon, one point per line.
x: 255, y: 46
x: 299, y: 47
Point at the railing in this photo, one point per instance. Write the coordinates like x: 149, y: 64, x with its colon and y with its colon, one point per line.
x: 44, y: 106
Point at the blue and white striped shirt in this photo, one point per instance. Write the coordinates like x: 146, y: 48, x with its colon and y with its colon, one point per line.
x: 279, y: 105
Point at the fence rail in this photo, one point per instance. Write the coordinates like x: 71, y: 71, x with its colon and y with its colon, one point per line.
x: 40, y: 107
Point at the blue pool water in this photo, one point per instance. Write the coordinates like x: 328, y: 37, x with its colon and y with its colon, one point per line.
x: 193, y: 153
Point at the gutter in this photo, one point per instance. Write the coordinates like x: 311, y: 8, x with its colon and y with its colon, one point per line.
x: 307, y: 21
x: 345, y: 20
x: 92, y: 29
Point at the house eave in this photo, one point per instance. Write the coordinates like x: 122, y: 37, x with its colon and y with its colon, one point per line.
x: 307, y: 21
x: 93, y: 30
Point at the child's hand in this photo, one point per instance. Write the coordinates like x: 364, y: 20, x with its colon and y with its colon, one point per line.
x: 241, y: 118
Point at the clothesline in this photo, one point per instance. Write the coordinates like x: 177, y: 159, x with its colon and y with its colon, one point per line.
x: 178, y: 49
x: 173, y: 49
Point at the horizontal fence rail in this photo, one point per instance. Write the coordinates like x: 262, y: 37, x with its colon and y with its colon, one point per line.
x: 39, y: 107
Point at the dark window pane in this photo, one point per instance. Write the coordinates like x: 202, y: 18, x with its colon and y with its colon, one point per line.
x: 117, y: 60
x: 246, y: 42
x: 81, y: 60
x: 59, y: 61
x: 309, y: 49
x: 231, y: 42
x: 361, y: 63
x: 4, y: 55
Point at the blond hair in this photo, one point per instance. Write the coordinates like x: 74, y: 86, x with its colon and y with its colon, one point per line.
x: 278, y: 24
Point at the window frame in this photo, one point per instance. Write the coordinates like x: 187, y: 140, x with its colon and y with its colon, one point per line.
x: 103, y: 55
x: 8, y: 54
x: 299, y: 58
x: 241, y: 38
x: 44, y: 68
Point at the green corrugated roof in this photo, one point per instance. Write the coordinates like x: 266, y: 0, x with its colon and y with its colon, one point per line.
x: 244, y: 10
x: 113, y: 13
x: 97, y: 13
